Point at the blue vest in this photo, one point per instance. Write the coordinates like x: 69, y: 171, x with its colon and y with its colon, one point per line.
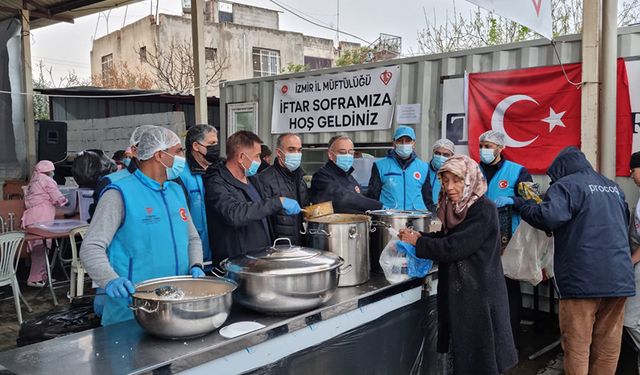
x: 436, y: 185
x: 152, y: 240
x: 402, y: 189
x: 195, y: 188
x: 503, y: 184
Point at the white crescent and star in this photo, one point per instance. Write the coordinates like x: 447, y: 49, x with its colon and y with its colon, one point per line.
x: 497, y: 119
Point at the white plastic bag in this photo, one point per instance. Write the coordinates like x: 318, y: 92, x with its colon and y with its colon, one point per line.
x: 528, y: 254
x: 394, y: 264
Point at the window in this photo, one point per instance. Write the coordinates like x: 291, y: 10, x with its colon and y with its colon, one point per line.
x: 225, y: 12
x: 210, y: 54
x: 242, y: 116
x: 107, y: 65
x: 315, y: 63
x: 143, y: 54
x: 266, y: 62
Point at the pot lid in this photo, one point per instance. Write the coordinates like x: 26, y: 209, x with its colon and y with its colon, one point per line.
x: 401, y: 213
x: 283, y: 260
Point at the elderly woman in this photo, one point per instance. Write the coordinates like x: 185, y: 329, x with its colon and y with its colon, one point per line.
x: 473, y: 312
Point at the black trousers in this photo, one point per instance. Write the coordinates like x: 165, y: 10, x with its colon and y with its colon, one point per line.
x: 515, y: 307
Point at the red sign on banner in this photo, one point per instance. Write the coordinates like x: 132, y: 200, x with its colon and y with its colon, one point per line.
x: 539, y: 112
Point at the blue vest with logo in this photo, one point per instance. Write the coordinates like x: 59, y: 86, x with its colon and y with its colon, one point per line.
x: 152, y: 240
x: 402, y: 189
x: 503, y: 184
x: 436, y: 185
x: 195, y: 188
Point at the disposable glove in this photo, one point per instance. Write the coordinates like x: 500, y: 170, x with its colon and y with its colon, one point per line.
x: 290, y: 206
x: 120, y: 288
x: 197, y: 272
x: 503, y: 201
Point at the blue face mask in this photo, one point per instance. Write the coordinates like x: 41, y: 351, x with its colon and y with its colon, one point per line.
x: 345, y: 162
x: 176, y: 169
x: 292, y: 161
x: 404, y: 150
x: 126, y: 161
x: 487, y: 156
x: 253, y: 168
x: 437, y: 161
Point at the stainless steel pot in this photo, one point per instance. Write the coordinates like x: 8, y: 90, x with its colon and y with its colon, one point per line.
x: 347, y: 236
x: 396, y: 219
x: 203, y: 308
x: 284, y: 279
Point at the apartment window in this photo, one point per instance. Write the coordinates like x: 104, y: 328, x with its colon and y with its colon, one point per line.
x: 266, y: 62
x: 143, y: 54
x: 210, y: 54
x: 107, y: 65
x: 315, y: 63
x: 225, y: 12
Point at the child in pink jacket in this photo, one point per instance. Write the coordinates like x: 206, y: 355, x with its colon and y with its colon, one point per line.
x: 40, y: 200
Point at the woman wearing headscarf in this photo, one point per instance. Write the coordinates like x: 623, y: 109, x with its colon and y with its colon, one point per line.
x: 473, y: 315
x: 40, y: 201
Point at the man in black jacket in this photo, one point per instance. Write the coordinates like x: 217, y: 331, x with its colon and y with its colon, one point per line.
x: 284, y: 178
x: 333, y: 182
x: 237, y: 215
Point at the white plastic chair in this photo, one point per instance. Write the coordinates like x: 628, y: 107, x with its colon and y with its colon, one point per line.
x: 77, y: 271
x: 10, y: 247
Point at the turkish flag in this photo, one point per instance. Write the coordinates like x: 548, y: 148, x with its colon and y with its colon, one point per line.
x: 539, y: 112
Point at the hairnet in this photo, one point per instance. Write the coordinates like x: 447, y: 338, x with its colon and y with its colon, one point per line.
x: 154, y: 140
x: 493, y: 136
x: 44, y: 166
x: 444, y: 143
x: 137, y: 132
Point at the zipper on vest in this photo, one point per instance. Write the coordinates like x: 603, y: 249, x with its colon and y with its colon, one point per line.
x: 404, y: 189
x: 131, y: 270
x: 173, y: 237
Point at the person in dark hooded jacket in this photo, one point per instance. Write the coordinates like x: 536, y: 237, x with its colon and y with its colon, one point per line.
x: 589, y: 218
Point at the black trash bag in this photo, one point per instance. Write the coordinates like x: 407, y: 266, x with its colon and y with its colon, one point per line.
x: 77, y: 317
x: 89, y: 166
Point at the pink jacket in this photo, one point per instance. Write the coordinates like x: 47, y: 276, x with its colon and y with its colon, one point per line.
x: 40, y: 200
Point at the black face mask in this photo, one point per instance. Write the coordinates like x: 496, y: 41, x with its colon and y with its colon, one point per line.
x: 213, y: 153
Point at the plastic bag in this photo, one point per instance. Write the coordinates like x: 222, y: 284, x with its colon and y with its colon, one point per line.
x: 529, y: 255
x: 394, y: 262
x: 89, y: 166
x: 416, y: 267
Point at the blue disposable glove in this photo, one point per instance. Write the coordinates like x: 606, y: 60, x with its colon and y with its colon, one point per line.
x: 290, y: 206
x: 197, y: 272
x: 120, y: 288
x: 503, y: 201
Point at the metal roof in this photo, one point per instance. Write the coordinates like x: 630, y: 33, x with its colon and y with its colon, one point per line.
x: 47, y: 12
x: 88, y: 92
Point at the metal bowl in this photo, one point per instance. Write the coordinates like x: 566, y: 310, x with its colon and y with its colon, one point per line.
x: 203, y: 308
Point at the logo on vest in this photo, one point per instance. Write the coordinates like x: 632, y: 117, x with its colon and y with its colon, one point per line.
x: 357, y: 189
x: 503, y: 184
x: 417, y: 175
x: 183, y: 214
x: 150, y: 219
x: 149, y: 210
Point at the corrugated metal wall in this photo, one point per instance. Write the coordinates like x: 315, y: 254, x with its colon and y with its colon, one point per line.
x: 421, y: 82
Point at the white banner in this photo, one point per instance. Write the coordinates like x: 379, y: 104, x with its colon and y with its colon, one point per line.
x: 534, y: 14
x: 352, y: 101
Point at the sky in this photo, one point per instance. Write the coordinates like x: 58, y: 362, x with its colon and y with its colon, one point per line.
x: 66, y: 47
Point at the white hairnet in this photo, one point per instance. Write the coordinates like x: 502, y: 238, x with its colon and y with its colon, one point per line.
x: 493, y: 136
x: 444, y: 143
x: 154, y: 140
x: 137, y: 132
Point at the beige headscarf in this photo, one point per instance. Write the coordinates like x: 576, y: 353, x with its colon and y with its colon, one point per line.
x: 475, y: 185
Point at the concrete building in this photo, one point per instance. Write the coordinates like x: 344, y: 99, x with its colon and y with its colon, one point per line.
x: 244, y: 40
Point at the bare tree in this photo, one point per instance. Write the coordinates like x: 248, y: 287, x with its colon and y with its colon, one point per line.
x: 120, y: 76
x: 172, y: 66
x: 481, y: 28
x: 45, y: 80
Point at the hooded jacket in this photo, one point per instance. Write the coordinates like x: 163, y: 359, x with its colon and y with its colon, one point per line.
x: 589, y: 218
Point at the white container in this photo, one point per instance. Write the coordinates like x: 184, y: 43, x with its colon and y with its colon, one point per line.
x: 85, y: 199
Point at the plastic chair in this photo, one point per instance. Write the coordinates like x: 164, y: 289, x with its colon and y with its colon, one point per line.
x: 77, y: 271
x: 10, y: 246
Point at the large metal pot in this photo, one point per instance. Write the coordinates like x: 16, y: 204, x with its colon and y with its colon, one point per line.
x: 284, y: 279
x: 347, y: 236
x: 396, y: 219
x: 203, y: 308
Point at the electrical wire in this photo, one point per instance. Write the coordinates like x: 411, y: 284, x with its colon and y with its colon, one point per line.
x: 577, y: 85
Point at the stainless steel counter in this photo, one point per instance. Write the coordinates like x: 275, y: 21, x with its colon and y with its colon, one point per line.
x: 125, y: 348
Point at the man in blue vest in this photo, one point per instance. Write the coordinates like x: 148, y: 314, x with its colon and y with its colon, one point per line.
x: 503, y: 177
x: 142, y: 228
x: 398, y: 180
x: 443, y: 149
x: 202, y: 151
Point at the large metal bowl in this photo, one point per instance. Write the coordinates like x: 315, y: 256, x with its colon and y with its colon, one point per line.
x: 203, y: 308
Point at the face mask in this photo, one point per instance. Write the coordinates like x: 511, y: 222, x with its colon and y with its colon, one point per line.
x: 126, y: 161
x: 253, y: 168
x: 345, y: 162
x: 213, y: 153
x: 404, y: 150
x: 487, y: 156
x: 438, y: 160
x: 51, y: 174
x: 176, y: 169
x: 292, y: 161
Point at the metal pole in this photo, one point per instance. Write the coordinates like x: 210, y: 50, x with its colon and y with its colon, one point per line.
x: 27, y: 81
x: 199, y: 64
x: 608, y: 77
x: 590, y: 77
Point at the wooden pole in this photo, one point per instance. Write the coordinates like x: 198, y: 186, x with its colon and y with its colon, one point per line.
x: 591, y: 32
x: 199, y: 64
x: 27, y: 84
